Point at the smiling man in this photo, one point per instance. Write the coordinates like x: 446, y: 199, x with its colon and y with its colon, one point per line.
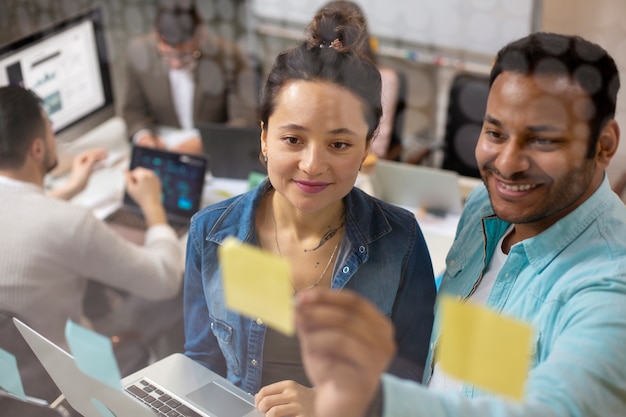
x: 536, y: 156
x: 544, y: 241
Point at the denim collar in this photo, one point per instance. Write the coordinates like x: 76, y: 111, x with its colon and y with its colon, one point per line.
x: 365, y: 220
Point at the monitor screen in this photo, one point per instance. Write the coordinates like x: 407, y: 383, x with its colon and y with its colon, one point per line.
x: 66, y: 65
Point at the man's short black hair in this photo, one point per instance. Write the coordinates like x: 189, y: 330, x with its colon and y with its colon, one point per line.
x: 585, y: 62
x: 176, y: 21
x: 21, y: 122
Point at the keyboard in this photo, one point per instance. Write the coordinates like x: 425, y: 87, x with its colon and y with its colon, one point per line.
x: 127, y: 217
x: 162, y: 403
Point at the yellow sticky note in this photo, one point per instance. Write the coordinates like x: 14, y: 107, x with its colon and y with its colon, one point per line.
x: 481, y: 347
x: 257, y: 284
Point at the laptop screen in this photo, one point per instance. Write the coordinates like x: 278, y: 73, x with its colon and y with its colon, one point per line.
x: 233, y: 150
x: 182, y: 178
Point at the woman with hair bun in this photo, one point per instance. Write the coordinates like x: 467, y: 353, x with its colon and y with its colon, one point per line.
x: 320, y: 108
x: 385, y: 143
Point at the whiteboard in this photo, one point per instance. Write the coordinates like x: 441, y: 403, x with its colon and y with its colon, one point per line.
x: 475, y: 26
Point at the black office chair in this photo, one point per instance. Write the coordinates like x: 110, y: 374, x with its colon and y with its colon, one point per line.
x: 394, y: 151
x: 466, y: 111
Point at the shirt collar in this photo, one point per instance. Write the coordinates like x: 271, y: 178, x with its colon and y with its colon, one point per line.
x: 542, y: 249
x: 18, y: 184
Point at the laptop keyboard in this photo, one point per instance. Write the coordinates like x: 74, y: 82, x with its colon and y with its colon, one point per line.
x: 127, y: 218
x: 159, y: 401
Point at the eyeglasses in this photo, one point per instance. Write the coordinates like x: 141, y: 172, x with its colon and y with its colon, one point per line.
x: 182, y: 57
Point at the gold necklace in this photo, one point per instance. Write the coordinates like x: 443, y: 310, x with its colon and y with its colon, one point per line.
x: 316, y: 283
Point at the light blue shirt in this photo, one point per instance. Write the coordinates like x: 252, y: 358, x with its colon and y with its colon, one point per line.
x: 569, y: 283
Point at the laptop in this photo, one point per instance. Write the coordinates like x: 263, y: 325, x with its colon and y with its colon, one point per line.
x: 414, y: 187
x: 12, y: 405
x: 182, y: 178
x: 233, y: 150
x: 174, y: 386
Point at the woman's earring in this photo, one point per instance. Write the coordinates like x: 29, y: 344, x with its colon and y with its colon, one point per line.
x: 265, y: 158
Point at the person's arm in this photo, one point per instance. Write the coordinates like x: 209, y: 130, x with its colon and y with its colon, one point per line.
x: 145, y: 137
x: 144, y: 187
x: 190, y: 146
x: 82, y: 167
x: 389, y: 101
x: 346, y: 346
x: 152, y: 271
x: 286, y: 398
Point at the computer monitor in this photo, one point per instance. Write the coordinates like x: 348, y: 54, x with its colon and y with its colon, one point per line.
x: 67, y: 66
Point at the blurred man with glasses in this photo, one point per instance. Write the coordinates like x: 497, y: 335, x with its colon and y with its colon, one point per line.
x: 180, y: 74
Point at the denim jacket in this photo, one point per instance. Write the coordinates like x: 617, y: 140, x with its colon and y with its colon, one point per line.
x: 569, y: 283
x: 389, y: 264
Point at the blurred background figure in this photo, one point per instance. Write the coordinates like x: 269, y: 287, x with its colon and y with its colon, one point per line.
x: 51, y: 248
x: 180, y: 74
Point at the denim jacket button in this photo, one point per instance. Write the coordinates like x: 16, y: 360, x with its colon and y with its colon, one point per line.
x: 259, y: 322
x: 254, y: 362
x: 346, y: 269
x: 362, y: 249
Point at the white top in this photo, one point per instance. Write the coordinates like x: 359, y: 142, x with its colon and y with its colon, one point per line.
x: 48, y: 247
x: 183, y: 87
x: 440, y: 380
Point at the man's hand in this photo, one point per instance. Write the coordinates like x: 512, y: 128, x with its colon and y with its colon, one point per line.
x: 144, y: 186
x: 82, y: 167
x: 346, y: 346
x: 150, y: 141
x: 191, y: 146
x: 285, y: 398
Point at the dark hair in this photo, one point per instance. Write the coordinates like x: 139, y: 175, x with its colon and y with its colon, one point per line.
x: 355, y: 12
x: 21, y: 122
x: 328, y: 54
x: 176, y: 21
x: 587, y: 63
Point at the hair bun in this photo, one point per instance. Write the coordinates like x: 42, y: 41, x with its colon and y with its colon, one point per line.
x: 338, y: 29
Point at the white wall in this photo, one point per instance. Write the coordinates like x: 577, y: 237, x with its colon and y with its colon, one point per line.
x: 603, y: 22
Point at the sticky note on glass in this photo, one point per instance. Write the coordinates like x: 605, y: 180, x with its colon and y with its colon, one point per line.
x: 93, y: 354
x: 10, y: 379
x: 481, y: 347
x: 257, y: 284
